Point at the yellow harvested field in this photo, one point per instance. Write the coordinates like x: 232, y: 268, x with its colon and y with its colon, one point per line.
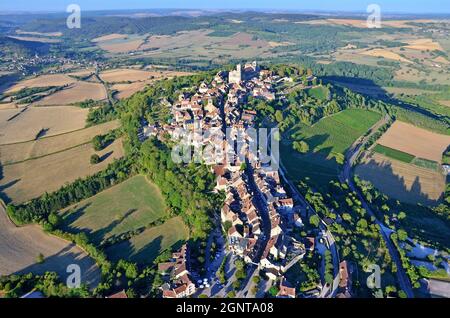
x: 402, y: 181
x: 109, y: 37
x: 5, y: 115
x: 242, y: 38
x: 32, y: 178
x: 415, y: 141
x: 277, y: 44
x: 82, y: 72
x: 18, y: 152
x: 124, y: 75
x: 26, y: 125
x: 39, y: 33
x: 424, y: 44
x: 445, y: 102
x: 140, y: 79
x: 20, y: 246
x: 385, y: 54
x: 4, y: 106
x: 121, y: 47
x: 43, y: 81
x: 126, y: 90
x: 363, y: 23
x: 76, y: 92
x: 35, y: 39
x: 442, y: 60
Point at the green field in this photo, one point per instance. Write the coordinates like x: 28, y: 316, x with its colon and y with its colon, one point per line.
x: 125, y: 207
x: 320, y: 92
x: 425, y: 163
x: 328, y: 140
x: 394, y: 153
x: 145, y: 247
x: 333, y: 135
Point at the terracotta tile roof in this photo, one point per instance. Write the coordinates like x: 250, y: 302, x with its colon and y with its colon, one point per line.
x: 120, y: 294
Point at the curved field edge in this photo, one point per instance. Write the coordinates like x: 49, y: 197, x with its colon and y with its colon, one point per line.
x: 20, y: 247
x: 125, y: 207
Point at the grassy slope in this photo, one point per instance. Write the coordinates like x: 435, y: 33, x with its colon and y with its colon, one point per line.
x: 127, y: 206
x: 328, y: 140
x: 145, y: 247
x: 338, y: 132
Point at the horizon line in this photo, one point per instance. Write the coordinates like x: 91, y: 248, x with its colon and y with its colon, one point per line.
x: 265, y: 10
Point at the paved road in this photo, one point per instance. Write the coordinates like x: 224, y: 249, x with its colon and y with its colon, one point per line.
x: 297, y: 196
x: 346, y: 176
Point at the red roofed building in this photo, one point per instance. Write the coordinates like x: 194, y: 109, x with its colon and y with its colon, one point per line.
x: 120, y: 294
x: 286, y: 289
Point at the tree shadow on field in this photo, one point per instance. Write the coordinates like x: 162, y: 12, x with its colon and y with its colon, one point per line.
x: 5, y: 186
x: 72, y: 216
x: 383, y: 177
x: 319, y: 167
x: 370, y: 88
x: 59, y: 262
x: 100, y: 234
x: 125, y: 250
x: 106, y: 156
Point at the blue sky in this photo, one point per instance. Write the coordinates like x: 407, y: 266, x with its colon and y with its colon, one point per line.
x: 410, y: 6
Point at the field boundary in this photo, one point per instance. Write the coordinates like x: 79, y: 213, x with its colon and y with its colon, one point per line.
x: 46, y: 155
x: 57, y: 135
x: 394, y: 153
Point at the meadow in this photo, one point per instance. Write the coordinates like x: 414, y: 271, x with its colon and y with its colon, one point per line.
x: 128, y: 206
x: 146, y: 246
x: 332, y: 136
x: 328, y: 140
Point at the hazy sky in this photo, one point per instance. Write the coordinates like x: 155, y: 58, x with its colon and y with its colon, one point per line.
x: 410, y: 6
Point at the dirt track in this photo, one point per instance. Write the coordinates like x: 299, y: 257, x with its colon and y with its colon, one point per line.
x: 20, y: 246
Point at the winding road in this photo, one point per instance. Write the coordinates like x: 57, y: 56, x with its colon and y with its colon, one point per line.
x: 346, y: 176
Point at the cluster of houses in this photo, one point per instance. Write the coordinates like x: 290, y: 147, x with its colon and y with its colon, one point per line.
x: 258, y: 215
x: 178, y: 282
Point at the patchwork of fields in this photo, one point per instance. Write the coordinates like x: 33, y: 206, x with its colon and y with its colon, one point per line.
x: 27, y: 124
x: 32, y: 178
x: 405, y: 182
x: 406, y: 164
x: 415, y: 141
x: 17, y: 152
